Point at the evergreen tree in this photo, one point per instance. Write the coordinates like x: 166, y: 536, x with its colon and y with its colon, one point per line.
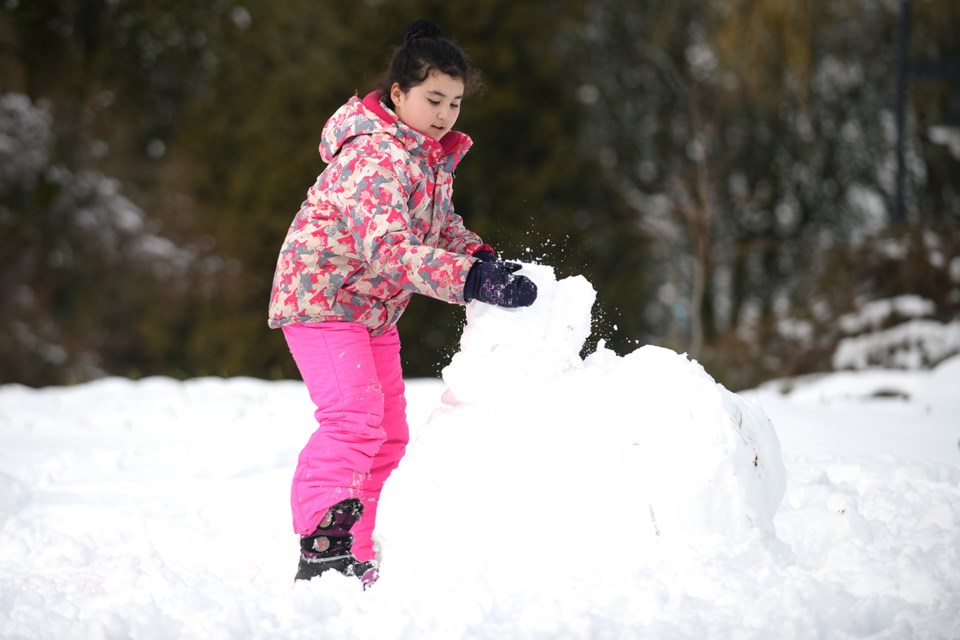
x: 89, y: 92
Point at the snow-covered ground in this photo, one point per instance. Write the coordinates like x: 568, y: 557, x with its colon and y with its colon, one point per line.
x: 543, y: 496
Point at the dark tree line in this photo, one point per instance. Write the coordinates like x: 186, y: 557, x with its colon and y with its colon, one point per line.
x: 722, y: 172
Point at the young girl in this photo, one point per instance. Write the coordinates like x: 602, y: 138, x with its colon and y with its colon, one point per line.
x: 377, y: 226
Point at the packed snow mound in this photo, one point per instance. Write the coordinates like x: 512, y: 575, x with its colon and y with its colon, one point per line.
x: 682, y: 460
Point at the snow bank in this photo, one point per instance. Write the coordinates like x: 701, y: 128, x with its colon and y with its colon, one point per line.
x: 914, y: 344
x: 528, y: 507
x: 908, y: 415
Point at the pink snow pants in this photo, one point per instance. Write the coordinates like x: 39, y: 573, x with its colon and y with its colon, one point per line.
x: 355, y: 381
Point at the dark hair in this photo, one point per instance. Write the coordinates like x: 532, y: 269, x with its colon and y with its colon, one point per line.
x: 424, y: 50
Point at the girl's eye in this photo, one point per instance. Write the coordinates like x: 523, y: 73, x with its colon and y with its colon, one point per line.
x: 455, y: 106
x: 433, y: 102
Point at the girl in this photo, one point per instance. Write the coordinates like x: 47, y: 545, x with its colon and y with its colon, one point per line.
x: 377, y: 226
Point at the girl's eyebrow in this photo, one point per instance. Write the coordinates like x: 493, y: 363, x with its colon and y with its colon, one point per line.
x: 442, y: 94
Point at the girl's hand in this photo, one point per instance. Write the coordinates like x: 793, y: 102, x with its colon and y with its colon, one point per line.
x: 494, y: 283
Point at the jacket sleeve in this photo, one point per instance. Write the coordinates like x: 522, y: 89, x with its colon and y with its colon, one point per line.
x: 374, y: 198
x: 457, y: 238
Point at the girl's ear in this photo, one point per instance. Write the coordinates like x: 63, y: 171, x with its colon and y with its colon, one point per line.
x: 396, y: 93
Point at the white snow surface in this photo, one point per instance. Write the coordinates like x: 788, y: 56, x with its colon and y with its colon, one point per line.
x: 542, y: 496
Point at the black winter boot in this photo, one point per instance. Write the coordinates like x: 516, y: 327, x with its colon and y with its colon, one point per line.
x: 328, y: 547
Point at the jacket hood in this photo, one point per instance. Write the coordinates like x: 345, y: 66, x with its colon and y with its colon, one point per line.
x: 370, y: 116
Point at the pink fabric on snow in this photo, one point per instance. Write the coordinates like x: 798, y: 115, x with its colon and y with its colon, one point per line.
x: 356, y: 382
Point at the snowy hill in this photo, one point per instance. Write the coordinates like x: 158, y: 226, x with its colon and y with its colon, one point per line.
x: 543, y: 496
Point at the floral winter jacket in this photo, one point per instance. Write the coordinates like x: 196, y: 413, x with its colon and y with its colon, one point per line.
x: 376, y: 227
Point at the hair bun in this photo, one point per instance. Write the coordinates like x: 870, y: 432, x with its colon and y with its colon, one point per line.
x: 422, y: 29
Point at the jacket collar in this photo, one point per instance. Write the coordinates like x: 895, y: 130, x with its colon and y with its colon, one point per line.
x: 453, y: 142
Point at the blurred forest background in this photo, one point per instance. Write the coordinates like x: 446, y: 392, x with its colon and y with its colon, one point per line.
x: 723, y: 172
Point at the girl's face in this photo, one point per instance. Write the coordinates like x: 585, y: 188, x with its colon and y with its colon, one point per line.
x: 431, y: 107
